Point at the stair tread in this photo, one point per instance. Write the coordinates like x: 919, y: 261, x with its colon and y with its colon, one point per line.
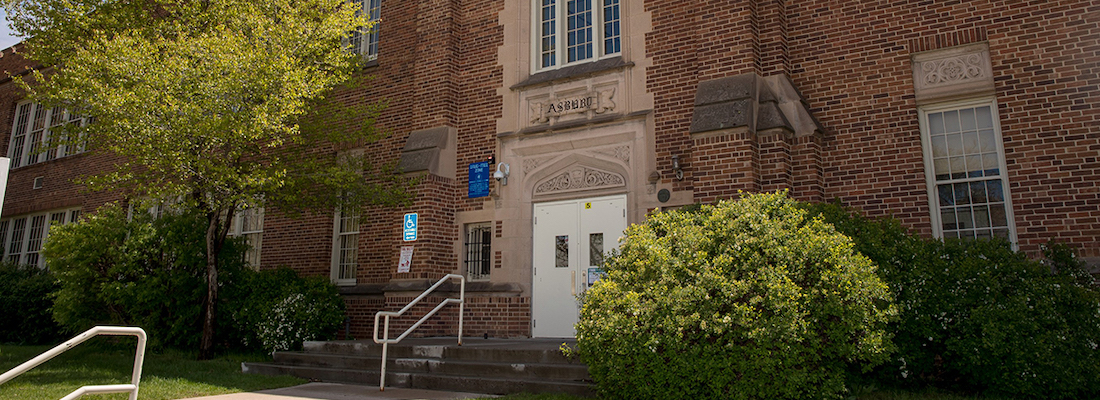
x: 582, y: 382
x: 446, y: 360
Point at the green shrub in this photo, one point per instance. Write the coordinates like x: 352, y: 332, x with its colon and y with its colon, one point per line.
x: 138, y: 271
x: 745, y: 299
x: 26, y: 305
x: 976, y: 315
x: 276, y: 310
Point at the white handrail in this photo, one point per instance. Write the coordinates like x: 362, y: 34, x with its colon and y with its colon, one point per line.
x: 139, y: 359
x: 386, y: 334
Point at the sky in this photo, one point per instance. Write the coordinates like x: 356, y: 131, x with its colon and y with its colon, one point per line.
x: 6, y: 39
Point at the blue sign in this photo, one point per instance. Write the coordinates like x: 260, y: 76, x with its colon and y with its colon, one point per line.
x: 410, y: 227
x: 479, y: 179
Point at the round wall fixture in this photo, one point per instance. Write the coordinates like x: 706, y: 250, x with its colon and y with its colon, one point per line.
x: 663, y: 195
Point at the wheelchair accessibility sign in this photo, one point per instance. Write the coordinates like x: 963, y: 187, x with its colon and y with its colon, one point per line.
x: 410, y: 227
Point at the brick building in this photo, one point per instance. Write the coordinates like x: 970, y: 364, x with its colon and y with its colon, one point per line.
x: 961, y: 119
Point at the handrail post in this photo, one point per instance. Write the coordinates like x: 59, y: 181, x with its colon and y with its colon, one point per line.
x: 387, y: 314
x: 461, y: 308
x: 385, y: 348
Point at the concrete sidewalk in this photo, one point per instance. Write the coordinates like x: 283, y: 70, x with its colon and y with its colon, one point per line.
x: 336, y: 391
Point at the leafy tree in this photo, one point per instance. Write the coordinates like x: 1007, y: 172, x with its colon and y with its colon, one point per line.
x: 216, y: 104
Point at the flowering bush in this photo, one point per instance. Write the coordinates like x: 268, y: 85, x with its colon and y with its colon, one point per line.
x: 276, y: 310
x: 747, y: 299
x: 977, y: 315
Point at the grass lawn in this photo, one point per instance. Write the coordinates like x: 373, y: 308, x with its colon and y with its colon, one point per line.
x: 174, y: 375
x: 166, y: 376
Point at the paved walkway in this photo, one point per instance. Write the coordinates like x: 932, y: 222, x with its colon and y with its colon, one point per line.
x: 336, y: 391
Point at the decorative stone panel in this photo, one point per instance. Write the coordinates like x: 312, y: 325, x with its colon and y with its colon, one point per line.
x: 960, y: 71
x: 572, y: 101
x: 579, y: 178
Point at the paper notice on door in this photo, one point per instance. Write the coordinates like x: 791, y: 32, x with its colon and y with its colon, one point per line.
x: 406, y: 259
x: 594, y: 274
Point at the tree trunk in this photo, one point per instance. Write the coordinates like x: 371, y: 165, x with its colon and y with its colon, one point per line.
x: 213, y: 247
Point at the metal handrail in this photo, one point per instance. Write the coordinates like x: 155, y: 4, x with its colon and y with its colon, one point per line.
x: 139, y: 359
x: 386, y: 333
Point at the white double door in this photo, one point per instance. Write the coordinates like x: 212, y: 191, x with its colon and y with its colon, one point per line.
x: 570, y: 240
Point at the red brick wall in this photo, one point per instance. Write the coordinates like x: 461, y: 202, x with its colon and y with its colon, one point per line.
x: 673, y: 45
x: 500, y: 317
x: 852, y: 63
x: 723, y: 164
x: 851, y: 60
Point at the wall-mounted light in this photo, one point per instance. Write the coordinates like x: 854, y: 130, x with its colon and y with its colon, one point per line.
x: 676, y: 168
x: 502, y: 174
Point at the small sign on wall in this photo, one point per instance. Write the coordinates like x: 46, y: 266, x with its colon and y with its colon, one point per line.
x: 479, y: 180
x: 406, y: 259
x: 409, y: 232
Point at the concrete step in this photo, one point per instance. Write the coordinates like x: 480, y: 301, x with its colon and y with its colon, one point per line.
x: 433, y: 381
x: 446, y: 366
x: 493, y: 366
x: 545, y: 352
x: 325, y: 374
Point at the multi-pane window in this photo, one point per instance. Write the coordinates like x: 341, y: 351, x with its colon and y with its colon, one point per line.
x: 39, y: 134
x: 345, y: 247
x: 571, y: 31
x: 22, y: 237
x: 249, y: 223
x: 966, y: 173
x: 478, y: 251
x: 365, y: 41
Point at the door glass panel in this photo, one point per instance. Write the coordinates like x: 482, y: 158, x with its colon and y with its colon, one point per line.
x: 561, y: 251
x: 595, y: 249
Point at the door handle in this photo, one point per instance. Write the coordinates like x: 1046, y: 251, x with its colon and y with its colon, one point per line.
x: 574, y: 281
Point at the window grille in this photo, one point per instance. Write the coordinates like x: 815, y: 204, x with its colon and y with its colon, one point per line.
x: 966, y: 172
x: 22, y: 238
x: 39, y: 134
x: 345, y: 249
x: 478, y: 251
x: 576, y: 31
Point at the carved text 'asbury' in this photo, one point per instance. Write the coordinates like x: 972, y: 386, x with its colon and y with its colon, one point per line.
x: 596, y: 101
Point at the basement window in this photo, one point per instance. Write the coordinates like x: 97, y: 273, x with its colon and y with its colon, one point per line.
x: 478, y: 247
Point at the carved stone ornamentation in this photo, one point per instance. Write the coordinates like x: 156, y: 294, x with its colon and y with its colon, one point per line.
x: 530, y: 164
x: 953, y: 70
x: 952, y: 73
x: 579, y: 178
x: 597, y: 101
x: 621, y: 153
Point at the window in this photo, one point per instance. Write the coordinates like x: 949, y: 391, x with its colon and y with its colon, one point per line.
x: 345, y: 247
x: 38, y: 134
x: 478, y: 251
x: 365, y: 41
x: 249, y: 223
x: 21, y: 237
x: 965, y: 169
x: 576, y: 31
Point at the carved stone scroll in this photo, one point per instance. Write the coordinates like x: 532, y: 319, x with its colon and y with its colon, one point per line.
x: 579, y: 178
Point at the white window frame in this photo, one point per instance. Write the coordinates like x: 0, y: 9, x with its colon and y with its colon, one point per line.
x: 27, y: 248
x: 562, y: 35
x: 929, y: 165
x: 343, y: 270
x: 365, y: 41
x: 477, y: 252
x: 32, y: 144
x: 252, y: 232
